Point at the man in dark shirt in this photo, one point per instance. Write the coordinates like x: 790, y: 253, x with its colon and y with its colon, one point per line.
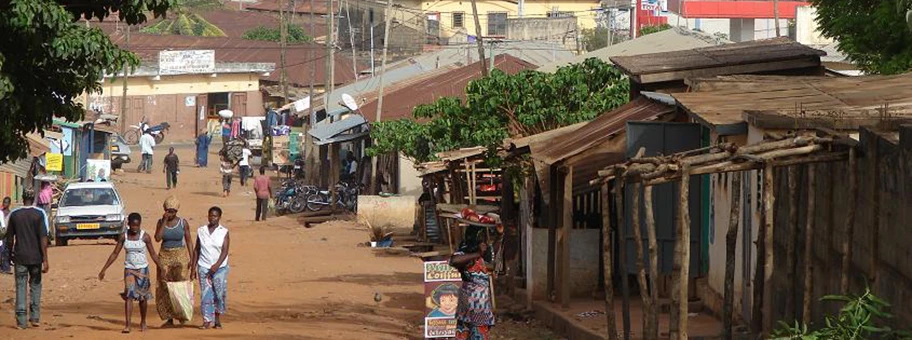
x: 171, y: 169
x: 27, y: 240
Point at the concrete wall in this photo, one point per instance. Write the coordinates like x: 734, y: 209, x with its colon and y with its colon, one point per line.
x: 398, y: 211
x: 409, y: 182
x: 407, y: 33
x: 584, y: 261
x: 582, y: 10
x: 559, y: 30
x: 806, y: 29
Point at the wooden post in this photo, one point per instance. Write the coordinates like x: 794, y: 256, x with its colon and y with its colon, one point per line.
x: 553, y: 221
x: 792, y: 233
x: 481, y: 57
x: 606, y: 263
x: 652, y: 316
x: 809, y: 245
x: 564, y: 239
x: 769, y: 201
x: 622, y: 255
x: 731, y: 244
x: 638, y: 245
x: 526, y: 216
x: 849, y: 223
x: 759, y: 271
x: 335, y: 170
x: 682, y: 252
x: 875, y: 223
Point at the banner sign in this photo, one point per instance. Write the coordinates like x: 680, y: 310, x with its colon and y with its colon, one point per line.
x: 54, y: 161
x: 186, y: 62
x: 441, y: 298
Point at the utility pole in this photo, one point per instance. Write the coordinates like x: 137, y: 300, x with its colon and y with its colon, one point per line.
x: 328, y: 78
x: 481, y: 56
x: 351, y: 37
x: 776, y: 16
x: 283, y: 31
x: 373, y: 69
x: 123, y: 97
x: 386, y: 34
x: 312, y: 154
x: 332, y: 46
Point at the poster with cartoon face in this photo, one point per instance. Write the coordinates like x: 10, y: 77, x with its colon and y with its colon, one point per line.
x: 441, y: 291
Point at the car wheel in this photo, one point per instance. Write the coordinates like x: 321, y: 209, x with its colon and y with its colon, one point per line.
x: 60, y: 242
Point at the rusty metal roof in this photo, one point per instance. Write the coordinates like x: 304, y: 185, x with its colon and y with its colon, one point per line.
x: 749, y: 57
x: 400, y: 103
x: 299, y: 6
x: 834, y: 98
x: 234, y: 23
x: 237, y: 50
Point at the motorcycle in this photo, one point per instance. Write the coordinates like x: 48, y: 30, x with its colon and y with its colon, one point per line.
x: 157, y: 131
x: 291, y: 197
x: 346, y: 197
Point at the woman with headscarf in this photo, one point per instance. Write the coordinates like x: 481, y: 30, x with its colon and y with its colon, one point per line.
x: 475, y: 314
x: 174, y: 234
x: 202, y: 149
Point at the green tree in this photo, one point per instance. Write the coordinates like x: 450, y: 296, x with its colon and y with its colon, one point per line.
x: 595, y: 38
x: 47, y: 61
x: 503, y: 105
x: 861, y: 317
x: 185, y: 20
x: 296, y: 34
x: 872, y: 33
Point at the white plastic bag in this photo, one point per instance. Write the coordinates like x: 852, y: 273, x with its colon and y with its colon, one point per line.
x: 181, y: 294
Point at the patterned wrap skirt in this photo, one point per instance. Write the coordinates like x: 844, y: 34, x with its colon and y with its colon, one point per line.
x: 174, y: 261
x: 137, y: 285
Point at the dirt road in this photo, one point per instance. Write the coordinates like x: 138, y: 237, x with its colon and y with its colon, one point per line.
x: 286, y: 281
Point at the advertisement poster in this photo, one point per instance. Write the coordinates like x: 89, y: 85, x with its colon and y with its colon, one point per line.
x: 98, y: 170
x: 441, y: 296
x: 54, y: 161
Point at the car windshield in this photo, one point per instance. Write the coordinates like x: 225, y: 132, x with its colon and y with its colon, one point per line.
x: 88, y: 196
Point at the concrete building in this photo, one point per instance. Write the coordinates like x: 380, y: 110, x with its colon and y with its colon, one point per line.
x: 739, y: 20
x: 186, y: 100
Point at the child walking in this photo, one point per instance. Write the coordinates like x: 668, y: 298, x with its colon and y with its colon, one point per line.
x: 137, y: 281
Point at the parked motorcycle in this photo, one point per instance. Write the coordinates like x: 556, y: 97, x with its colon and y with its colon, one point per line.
x: 346, y: 197
x: 157, y: 131
x: 291, y: 197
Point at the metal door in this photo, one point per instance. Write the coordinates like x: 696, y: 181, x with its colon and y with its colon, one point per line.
x: 666, y: 138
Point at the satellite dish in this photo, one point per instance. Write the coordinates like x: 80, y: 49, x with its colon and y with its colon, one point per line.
x: 349, y: 102
x: 225, y: 114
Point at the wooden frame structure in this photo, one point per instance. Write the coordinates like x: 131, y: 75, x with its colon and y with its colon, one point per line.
x: 780, y: 151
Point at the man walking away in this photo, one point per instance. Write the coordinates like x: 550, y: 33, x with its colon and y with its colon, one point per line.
x: 171, y: 169
x: 245, y: 165
x: 226, y: 167
x: 28, y: 240
x: 4, y: 218
x: 146, y: 144
x: 263, y: 188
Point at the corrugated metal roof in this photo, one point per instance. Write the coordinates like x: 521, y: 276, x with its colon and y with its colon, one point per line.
x: 18, y: 167
x: 234, y: 23
x: 675, y: 39
x: 400, y: 103
x: 824, y: 97
x: 751, y: 52
x: 298, y: 6
x: 237, y: 50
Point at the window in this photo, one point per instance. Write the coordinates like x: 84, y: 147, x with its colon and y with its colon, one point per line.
x: 458, y: 19
x: 497, y: 23
x: 557, y: 14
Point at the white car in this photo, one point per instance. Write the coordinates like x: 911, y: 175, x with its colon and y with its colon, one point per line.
x: 89, y: 210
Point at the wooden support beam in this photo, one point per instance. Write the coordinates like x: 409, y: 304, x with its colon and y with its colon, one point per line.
x: 731, y: 244
x: 526, y: 218
x: 652, y: 314
x: 682, y: 247
x: 606, y: 263
x: 791, y: 232
x: 622, y: 256
x: 849, y: 223
x: 554, y: 218
x: 875, y: 223
x: 809, y: 245
x: 769, y: 203
x: 564, y: 239
x: 746, y: 166
x: 638, y: 245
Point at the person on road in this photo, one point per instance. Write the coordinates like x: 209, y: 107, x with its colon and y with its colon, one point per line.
x: 351, y: 170
x: 202, y: 149
x: 136, y: 269
x: 174, y: 234
x: 45, y: 197
x: 211, y: 257
x: 244, y: 163
x: 263, y: 189
x: 171, y: 168
x: 27, y: 242
x: 475, y: 314
x: 226, y: 167
x: 146, y: 144
x: 4, y: 224
x: 226, y: 131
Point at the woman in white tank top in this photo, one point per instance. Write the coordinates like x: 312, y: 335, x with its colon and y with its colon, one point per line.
x: 136, y: 269
x: 211, y: 257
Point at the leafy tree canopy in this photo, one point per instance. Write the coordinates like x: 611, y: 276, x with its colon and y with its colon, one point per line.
x: 503, y: 105
x: 646, y: 30
x: 296, y: 34
x: 47, y: 61
x: 872, y: 33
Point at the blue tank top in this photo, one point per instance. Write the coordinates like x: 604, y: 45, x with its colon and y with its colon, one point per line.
x: 173, y: 237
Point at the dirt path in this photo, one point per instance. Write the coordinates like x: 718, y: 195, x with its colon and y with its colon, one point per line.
x: 285, y: 281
